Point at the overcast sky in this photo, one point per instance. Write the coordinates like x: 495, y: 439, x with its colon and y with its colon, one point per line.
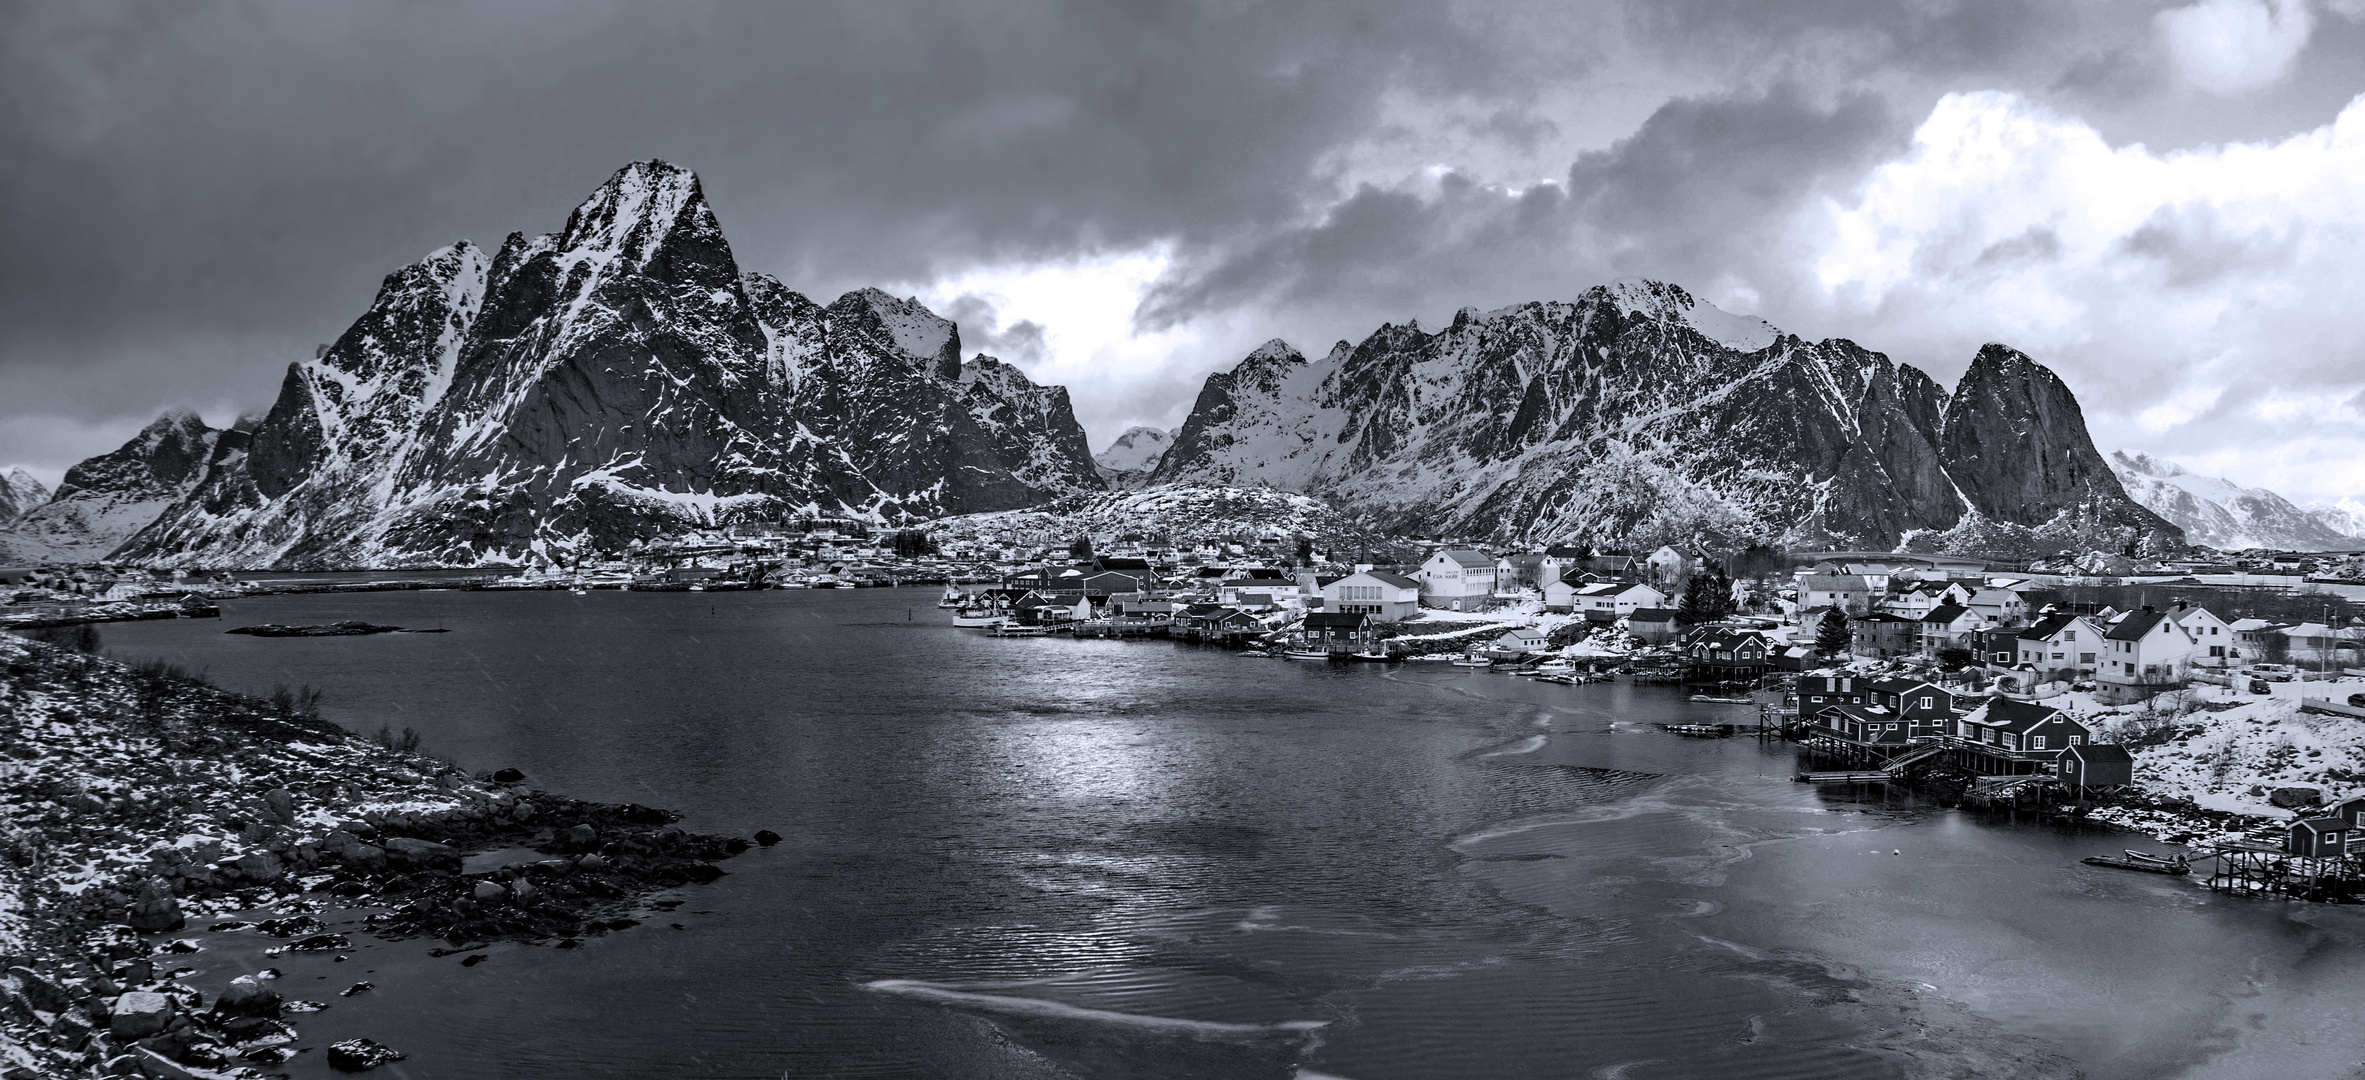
x: 2165, y: 203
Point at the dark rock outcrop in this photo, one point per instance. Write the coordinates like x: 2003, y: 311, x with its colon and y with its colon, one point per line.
x: 617, y: 380
x: 1638, y: 415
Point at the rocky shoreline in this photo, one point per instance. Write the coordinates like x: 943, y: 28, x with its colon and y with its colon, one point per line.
x: 142, y: 803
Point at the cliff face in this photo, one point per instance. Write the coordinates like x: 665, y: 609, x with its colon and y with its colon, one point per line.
x: 106, y: 499
x: 614, y: 380
x: 1638, y: 414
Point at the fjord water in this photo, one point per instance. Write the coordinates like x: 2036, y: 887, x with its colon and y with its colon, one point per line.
x: 1057, y: 858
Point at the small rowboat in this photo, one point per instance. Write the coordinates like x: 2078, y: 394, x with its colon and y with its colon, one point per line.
x: 2147, y: 863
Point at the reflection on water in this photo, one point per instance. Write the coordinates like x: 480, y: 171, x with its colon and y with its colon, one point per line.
x: 1050, y: 858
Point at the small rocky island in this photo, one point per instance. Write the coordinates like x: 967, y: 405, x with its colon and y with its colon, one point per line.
x: 141, y: 801
x: 348, y: 628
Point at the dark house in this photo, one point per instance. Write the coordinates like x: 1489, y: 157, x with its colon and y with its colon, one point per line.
x: 2097, y: 765
x: 2319, y: 837
x: 1718, y: 652
x: 1817, y: 692
x: 2021, y: 730
x: 1927, y: 709
x: 1863, y: 725
x: 1335, y: 631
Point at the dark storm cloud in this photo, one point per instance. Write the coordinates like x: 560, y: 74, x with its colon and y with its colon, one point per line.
x: 242, y: 174
x: 1695, y: 196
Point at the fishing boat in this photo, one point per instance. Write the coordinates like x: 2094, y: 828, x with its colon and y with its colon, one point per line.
x: 1374, y: 655
x: 2144, y: 862
x: 1009, y: 629
x: 952, y: 598
x: 1714, y: 699
x: 1557, y: 667
x: 978, y: 618
x: 1304, y: 654
x: 1557, y: 680
x: 1473, y: 661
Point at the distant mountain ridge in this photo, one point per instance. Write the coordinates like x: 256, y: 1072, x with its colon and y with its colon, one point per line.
x: 20, y: 492
x: 104, y: 500
x: 1637, y: 414
x: 1129, y: 461
x: 615, y: 380
x: 2227, y: 516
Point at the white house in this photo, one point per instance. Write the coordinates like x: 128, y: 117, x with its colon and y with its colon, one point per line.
x: 1602, y: 601
x: 2147, y: 651
x: 2212, y: 637
x: 1847, y: 592
x: 1457, y: 578
x: 1998, y: 605
x: 1383, y: 596
x: 1669, y: 565
x: 2061, y: 644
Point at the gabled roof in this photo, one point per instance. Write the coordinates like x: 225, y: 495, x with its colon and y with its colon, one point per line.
x: 2006, y: 714
x: 2048, y: 626
x: 1946, y: 614
x: 1835, y: 583
x: 2098, y: 753
x: 1652, y: 614
x: 1902, y: 686
x: 2323, y: 824
x: 1398, y: 580
x: 2135, y: 625
x: 1466, y: 558
x: 1335, y: 620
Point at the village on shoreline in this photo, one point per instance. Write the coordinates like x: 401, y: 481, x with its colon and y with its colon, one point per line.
x: 2198, y: 702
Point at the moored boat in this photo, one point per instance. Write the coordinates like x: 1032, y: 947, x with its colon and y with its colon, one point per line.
x: 2144, y: 862
x: 1713, y: 699
x: 1303, y: 654
x: 978, y: 619
x: 1473, y: 661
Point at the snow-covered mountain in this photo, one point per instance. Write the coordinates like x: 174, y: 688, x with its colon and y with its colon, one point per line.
x: 20, y: 492
x: 620, y: 378
x: 1181, y: 512
x: 106, y: 499
x: 2346, y: 517
x: 2225, y: 515
x: 1637, y: 414
x: 1130, y: 460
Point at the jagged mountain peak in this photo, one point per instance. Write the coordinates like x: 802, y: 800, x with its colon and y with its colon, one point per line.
x: 619, y: 379
x: 636, y: 212
x: 920, y: 333
x: 1639, y: 413
x: 1275, y: 352
x: 1669, y: 303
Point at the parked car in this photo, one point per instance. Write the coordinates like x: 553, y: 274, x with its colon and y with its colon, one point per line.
x: 2357, y: 701
x: 2259, y: 686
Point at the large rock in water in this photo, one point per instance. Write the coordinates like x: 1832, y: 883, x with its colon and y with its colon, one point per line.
x: 155, y: 912
x: 247, y: 996
x: 617, y: 380
x: 1637, y: 415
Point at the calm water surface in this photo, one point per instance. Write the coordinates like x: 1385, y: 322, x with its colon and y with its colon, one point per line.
x: 1036, y: 858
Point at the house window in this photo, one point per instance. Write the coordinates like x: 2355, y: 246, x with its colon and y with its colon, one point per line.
x: 2036, y: 742
x: 2077, y: 740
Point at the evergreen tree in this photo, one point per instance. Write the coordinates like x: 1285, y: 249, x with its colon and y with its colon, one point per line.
x: 1081, y: 549
x: 1707, y: 598
x: 1832, y: 638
